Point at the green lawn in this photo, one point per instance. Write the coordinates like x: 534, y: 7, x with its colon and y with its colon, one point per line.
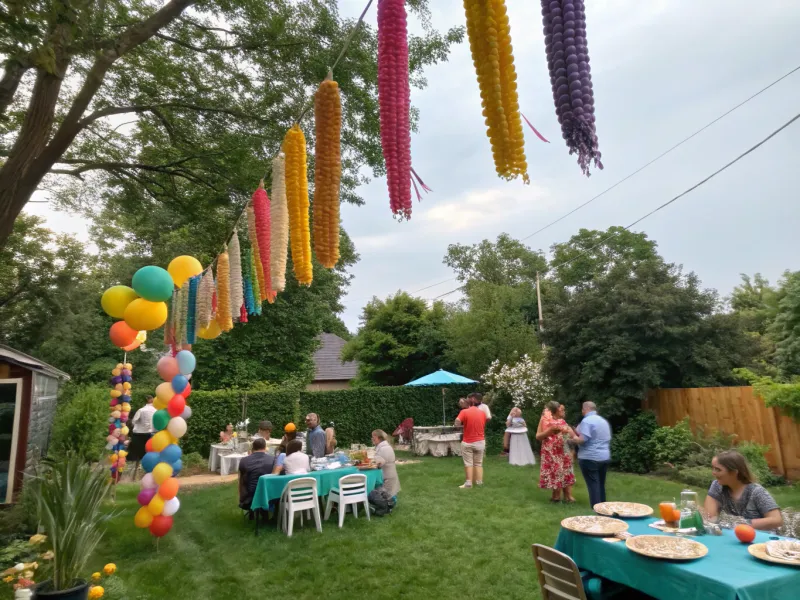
x: 441, y: 542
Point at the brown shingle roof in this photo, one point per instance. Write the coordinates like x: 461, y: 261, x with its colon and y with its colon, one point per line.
x: 328, y: 365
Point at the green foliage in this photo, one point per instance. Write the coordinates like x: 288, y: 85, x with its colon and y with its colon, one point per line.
x: 672, y: 444
x: 19, y: 519
x: 631, y: 450
x: 400, y: 339
x: 784, y: 396
x: 697, y: 476
x: 504, y: 262
x: 755, y: 455
x: 786, y: 328
x: 81, y: 424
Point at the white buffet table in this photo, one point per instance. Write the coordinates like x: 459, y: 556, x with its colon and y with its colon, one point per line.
x: 437, y: 441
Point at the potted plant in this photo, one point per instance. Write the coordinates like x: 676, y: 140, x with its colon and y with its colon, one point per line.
x: 70, y: 495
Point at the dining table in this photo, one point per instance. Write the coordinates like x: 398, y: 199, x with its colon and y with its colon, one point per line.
x: 270, y: 487
x: 726, y: 572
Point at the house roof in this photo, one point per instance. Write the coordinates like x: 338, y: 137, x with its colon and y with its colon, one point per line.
x: 29, y: 362
x: 328, y: 365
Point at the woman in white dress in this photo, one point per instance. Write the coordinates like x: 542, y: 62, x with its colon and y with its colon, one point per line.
x: 520, y: 452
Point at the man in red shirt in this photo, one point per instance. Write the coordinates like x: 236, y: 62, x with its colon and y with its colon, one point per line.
x: 473, y: 444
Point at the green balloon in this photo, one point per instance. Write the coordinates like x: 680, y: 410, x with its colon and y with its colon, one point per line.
x: 160, y: 419
x: 153, y: 283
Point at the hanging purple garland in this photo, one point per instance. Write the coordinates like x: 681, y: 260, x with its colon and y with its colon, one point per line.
x: 191, y: 323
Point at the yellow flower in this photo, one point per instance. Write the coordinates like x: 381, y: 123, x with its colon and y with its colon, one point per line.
x: 37, y: 539
x: 48, y: 555
x: 109, y: 569
x: 96, y: 576
x: 96, y: 591
x: 8, y: 579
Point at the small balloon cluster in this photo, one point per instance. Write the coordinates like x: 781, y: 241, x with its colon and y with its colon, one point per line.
x: 120, y: 408
x: 143, y: 307
x: 159, y: 487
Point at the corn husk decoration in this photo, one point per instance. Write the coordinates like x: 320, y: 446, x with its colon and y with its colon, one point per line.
x: 294, y: 146
x: 247, y: 281
x: 205, y: 297
x: 224, y: 315
x: 237, y: 290
x: 191, y: 312
x: 259, y: 267
x: 180, y: 318
x: 261, y: 209
x: 279, y: 234
x: 172, y: 321
x: 256, y: 289
x: 327, y: 171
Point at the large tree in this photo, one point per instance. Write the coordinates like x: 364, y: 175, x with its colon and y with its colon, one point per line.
x: 177, y: 106
x: 786, y: 328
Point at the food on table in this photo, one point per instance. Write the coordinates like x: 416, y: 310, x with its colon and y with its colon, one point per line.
x: 745, y: 533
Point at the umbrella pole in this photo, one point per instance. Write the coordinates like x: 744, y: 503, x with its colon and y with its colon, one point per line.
x: 444, y: 418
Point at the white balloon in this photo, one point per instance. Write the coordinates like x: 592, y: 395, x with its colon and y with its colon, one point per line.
x: 177, y: 427
x: 171, y: 507
x: 187, y: 412
x: 109, y: 446
x: 148, y: 481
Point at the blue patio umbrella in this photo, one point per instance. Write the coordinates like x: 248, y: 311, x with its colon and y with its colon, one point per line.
x: 442, y: 377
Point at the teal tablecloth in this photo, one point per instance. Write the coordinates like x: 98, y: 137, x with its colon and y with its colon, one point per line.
x: 727, y: 572
x: 270, y: 487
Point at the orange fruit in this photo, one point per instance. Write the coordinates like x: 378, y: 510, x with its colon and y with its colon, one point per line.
x: 745, y: 533
x: 676, y: 515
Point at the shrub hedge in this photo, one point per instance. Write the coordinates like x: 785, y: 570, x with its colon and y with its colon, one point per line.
x: 355, y: 412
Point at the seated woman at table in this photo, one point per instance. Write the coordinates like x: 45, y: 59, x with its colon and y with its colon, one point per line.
x: 227, y: 435
x: 294, y: 461
x: 735, y: 493
x: 384, y: 457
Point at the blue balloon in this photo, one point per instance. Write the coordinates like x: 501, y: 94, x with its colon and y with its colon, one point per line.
x: 124, y: 399
x: 116, y: 380
x: 186, y: 362
x: 176, y: 467
x: 179, y: 383
x: 126, y: 378
x: 171, y: 453
x: 150, y: 460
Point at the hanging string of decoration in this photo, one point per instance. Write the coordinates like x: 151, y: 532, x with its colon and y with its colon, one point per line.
x: 327, y: 171
x: 191, y: 316
x: 204, y: 299
x: 261, y: 210
x: 570, y: 78
x: 247, y: 280
x: 294, y: 146
x: 490, y: 43
x: 119, y: 409
x: 259, y: 266
x: 237, y: 289
x: 224, y: 315
x: 279, y: 221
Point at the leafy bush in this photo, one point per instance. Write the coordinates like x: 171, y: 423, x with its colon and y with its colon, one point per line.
x: 754, y: 453
x: 631, y: 449
x: 81, y: 424
x: 783, y: 395
x: 696, y: 476
x: 672, y: 444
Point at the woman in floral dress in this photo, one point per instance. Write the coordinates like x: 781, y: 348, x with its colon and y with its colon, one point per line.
x: 556, y: 470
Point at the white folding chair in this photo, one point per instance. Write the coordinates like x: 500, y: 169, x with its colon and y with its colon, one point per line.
x: 352, y: 491
x: 299, y: 495
x: 559, y: 576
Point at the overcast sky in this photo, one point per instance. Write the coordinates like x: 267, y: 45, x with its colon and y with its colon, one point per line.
x: 661, y: 70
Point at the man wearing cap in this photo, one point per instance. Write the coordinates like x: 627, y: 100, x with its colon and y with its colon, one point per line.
x: 264, y: 431
x: 315, y: 444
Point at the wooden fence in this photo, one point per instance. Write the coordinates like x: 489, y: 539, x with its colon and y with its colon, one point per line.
x: 733, y: 410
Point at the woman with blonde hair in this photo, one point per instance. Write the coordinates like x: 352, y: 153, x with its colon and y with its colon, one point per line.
x: 384, y: 457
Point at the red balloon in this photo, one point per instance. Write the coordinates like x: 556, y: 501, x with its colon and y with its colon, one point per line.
x: 148, y: 445
x: 161, y: 525
x: 187, y: 391
x: 122, y: 334
x: 176, y: 405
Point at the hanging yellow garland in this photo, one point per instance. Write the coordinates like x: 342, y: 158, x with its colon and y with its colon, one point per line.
x: 327, y: 171
x: 294, y: 145
x: 224, y: 291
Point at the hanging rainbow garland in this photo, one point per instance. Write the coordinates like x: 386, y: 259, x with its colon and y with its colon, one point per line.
x: 120, y: 408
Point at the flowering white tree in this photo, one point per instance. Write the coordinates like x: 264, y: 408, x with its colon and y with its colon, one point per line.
x: 524, y: 381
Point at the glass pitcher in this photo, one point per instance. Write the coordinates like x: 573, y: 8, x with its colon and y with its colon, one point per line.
x: 689, y: 508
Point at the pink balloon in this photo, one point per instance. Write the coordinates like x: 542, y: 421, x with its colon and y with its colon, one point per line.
x: 145, y: 496
x: 167, y: 368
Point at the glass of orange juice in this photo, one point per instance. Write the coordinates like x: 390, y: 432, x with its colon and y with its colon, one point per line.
x: 668, y: 510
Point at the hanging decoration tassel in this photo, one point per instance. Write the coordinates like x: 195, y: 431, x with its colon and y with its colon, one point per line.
x: 191, y: 318
x: 254, y: 265
x: 237, y: 291
x: 261, y: 210
x: 247, y: 280
x: 183, y: 298
x: 204, y: 299
x: 279, y: 221
x: 294, y: 145
x: 327, y: 171
x: 259, y: 267
x: 224, y: 317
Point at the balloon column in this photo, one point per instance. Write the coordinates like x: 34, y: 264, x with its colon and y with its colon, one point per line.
x: 120, y: 408
x: 159, y: 487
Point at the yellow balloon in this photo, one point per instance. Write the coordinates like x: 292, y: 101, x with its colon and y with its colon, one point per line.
x: 158, y: 403
x: 143, y: 336
x: 161, y: 472
x: 116, y: 372
x: 164, y: 391
x: 142, y: 314
x: 156, y: 505
x: 116, y: 299
x: 120, y: 366
x: 113, y: 458
x: 126, y: 407
x: 119, y: 387
x: 123, y: 453
x: 124, y: 430
x: 143, y: 517
x: 161, y: 440
x: 115, y: 393
x: 126, y: 385
x: 210, y: 332
x: 182, y: 268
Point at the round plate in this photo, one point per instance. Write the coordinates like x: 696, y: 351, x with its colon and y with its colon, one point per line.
x: 760, y: 552
x: 626, y: 510
x: 666, y: 547
x: 594, y: 525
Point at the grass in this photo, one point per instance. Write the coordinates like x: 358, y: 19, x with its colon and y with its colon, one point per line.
x: 440, y: 542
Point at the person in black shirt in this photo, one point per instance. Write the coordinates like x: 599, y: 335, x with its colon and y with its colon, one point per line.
x: 251, y: 468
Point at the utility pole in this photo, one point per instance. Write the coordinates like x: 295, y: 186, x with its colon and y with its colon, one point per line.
x: 539, y: 302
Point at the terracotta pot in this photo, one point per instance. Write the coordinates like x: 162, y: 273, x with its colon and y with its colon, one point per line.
x: 45, y: 591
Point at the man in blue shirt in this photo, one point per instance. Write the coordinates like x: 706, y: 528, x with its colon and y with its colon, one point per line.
x: 594, y: 451
x: 315, y: 442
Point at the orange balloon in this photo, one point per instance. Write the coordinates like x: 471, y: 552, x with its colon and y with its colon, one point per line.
x: 122, y: 334
x: 169, y: 489
x: 133, y: 346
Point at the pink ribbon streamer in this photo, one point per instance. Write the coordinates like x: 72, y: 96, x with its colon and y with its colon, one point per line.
x: 539, y: 135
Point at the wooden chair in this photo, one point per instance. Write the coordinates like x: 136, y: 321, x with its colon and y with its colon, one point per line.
x: 559, y: 576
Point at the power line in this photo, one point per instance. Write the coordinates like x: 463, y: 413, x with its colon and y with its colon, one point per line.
x: 663, y: 154
x: 662, y: 206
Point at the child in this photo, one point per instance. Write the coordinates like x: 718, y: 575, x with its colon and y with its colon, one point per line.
x: 520, y: 452
x: 514, y: 424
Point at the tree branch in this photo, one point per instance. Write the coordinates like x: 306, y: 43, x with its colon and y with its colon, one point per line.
x: 12, y: 75
x: 140, y: 108
x: 208, y: 49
